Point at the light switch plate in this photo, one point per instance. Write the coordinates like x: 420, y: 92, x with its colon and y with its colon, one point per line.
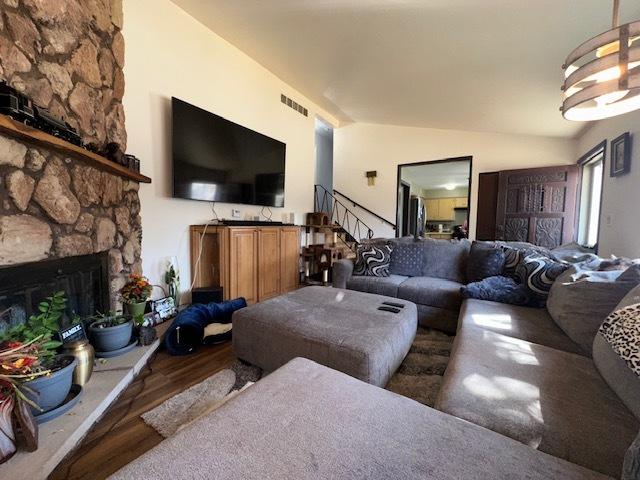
x: 235, y: 213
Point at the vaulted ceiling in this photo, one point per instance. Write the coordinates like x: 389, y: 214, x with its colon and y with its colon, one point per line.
x: 484, y: 65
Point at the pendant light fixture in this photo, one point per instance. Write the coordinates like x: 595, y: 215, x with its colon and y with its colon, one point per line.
x: 602, y: 76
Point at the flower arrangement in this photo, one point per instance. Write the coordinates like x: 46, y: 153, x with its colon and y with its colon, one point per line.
x: 19, y: 362
x: 136, y: 290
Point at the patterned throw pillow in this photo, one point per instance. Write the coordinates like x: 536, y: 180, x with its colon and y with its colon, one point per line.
x: 621, y: 330
x: 373, y: 260
x: 512, y: 258
x: 407, y: 258
x: 537, y: 274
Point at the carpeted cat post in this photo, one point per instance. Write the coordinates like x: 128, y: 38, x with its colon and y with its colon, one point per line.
x: 187, y: 331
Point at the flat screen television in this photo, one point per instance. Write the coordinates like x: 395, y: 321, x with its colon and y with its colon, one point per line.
x: 216, y: 160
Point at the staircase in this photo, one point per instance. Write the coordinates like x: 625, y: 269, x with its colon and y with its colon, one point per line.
x: 341, y: 231
x: 350, y: 229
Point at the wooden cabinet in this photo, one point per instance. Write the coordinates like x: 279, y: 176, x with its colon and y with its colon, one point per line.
x: 243, y: 264
x: 446, y: 208
x: 443, y: 209
x: 256, y: 263
x: 268, y: 263
x: 289, y: 258
x: 462, y: 202
x: 432, y: 205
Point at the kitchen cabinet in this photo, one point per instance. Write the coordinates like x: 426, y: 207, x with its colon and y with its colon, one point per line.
x: 443, y: 209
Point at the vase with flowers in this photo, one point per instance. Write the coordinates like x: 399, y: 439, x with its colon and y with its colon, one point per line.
x: 135, y: 294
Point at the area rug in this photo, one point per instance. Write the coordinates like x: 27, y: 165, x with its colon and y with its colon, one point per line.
x: 420, y: 374
x: 419, y: 378
x: 200, y: 399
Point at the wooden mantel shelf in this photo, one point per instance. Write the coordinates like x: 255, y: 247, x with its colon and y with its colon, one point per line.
x: 33, y: 135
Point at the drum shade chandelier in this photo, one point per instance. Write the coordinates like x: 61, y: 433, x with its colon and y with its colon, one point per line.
x: 602, y: 76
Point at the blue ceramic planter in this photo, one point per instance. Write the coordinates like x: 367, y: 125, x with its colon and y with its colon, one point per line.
x: 51, y: 390
x: 110, y: 338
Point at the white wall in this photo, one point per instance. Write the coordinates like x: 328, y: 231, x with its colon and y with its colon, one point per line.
x: 168, y: 53
x: 361, y: 147
x: 620, y: 224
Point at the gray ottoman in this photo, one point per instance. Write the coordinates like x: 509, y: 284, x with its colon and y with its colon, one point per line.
x: 342, y: 329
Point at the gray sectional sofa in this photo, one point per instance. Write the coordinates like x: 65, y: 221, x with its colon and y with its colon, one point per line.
x: 435, y: 291
x: 308, y: 422
x: 515, y: 371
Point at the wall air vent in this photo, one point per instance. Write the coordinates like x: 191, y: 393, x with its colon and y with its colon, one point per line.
x: 295, y: 105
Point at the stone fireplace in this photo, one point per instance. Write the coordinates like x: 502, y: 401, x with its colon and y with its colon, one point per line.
x: 68, y: 57
x: 84, y: 279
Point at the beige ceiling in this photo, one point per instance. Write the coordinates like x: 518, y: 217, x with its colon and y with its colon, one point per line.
x: 486, y: 65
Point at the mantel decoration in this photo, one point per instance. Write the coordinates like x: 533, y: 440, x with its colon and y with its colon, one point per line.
x: 602, y: 76
x: 621, y: 155
x: 135, y: 294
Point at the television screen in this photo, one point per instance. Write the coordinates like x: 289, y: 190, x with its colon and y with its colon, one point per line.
x: 216, y: 160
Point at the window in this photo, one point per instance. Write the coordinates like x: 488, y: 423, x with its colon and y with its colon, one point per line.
x: 591, y: 176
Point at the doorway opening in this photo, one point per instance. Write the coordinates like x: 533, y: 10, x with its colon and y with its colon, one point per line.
x: 324, y: 161
x: 433, y: 198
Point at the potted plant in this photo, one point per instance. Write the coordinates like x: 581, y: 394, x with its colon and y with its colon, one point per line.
x: 135, y: 294
x: 50, y: 390
x: 110, y: 332
x: 18, y: 362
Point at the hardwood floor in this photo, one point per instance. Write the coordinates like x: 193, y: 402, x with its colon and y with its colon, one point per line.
x: 121, y: 435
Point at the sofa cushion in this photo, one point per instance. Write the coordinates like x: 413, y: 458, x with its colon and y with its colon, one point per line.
x: 581, y: 298
x: 616, y: 372
x: 530, y: 324
x: 551, y: 400
x: 446, y: 259
x: 498, y: 289
x: 513, y: 255
x: 308, y: 422
x: 485, y: 260
x: 406, y: 259
x: 538, y: 273
x: 380, y: 285
x: 435, y: 292
x: 373, y: 260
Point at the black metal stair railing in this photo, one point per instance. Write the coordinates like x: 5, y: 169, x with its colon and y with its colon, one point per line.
x: 353, y: 228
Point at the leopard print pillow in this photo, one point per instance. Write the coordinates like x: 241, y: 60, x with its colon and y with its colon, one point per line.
x: 621, y: 330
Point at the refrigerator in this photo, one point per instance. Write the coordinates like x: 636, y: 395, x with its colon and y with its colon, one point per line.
x: 417, y: 216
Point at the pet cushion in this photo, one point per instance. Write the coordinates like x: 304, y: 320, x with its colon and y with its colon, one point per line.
x: 581, y: 298
x: 485, y: 260
x: 187, y: 331
x: 498, y: 289
x: 537, y: 274
x: 406, y: 259
x: 373, y: 260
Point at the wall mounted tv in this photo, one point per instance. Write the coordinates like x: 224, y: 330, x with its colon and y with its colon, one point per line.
x: 216, y: 160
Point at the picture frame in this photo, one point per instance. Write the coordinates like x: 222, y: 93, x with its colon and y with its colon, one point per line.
x: 620, y: 155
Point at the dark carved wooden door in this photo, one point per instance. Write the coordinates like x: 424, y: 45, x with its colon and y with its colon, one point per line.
x: 537, y: 205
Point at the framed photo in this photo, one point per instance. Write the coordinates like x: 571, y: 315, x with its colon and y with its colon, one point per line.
x: 621, y: 155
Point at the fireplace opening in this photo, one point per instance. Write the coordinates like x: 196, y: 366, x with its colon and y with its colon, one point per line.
x: 84, y: 279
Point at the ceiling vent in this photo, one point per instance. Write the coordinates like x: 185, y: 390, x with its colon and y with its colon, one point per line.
x: 295, y: 105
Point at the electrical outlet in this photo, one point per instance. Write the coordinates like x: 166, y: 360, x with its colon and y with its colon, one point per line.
x: 235, y: 213
x: 608, y: 220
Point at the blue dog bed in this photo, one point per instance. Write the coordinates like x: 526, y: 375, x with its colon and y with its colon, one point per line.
x: 187, y: 330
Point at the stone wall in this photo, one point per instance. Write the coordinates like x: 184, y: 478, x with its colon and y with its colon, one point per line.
x: 67, y: 55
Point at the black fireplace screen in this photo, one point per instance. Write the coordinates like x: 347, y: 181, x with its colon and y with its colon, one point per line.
x: 84, y: 279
